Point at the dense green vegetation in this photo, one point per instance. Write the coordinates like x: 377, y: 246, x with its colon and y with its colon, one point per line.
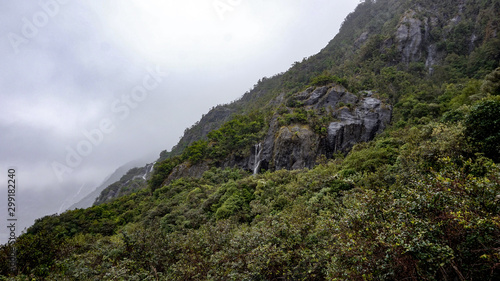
x: 420, y: 202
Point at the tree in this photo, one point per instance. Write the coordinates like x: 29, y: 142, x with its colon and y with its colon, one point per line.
x: 196, y: 151
x: 482, y: 126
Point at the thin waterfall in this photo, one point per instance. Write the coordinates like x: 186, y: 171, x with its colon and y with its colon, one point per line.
x: 149, y: 169
x: 146, y: 169
x: 257, y: 160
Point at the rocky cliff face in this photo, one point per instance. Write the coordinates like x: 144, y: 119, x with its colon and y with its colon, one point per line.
x: 356, y: 118
x: 423, y: 34
x: 426, y: 31
x: 409, y: 37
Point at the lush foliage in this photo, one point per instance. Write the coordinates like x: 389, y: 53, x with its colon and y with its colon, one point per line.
x: 325, y: 79
x: 408, y: 205
x: 483, y: 127
x: 234, y: 137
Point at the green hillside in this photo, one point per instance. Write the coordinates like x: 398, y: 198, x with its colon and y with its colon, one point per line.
x: 421, y: 201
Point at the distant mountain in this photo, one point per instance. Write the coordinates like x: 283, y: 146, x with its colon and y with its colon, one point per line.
x: 90, y: 199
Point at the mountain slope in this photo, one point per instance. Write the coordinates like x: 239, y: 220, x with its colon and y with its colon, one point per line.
x: 419, y: 201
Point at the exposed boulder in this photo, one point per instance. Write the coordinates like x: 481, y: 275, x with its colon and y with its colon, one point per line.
x: 362, y: 124
x: 185, y: 170
x: 295, y: 147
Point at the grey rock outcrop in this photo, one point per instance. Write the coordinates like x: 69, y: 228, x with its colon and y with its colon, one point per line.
x: 409, y: 37
x: 369, y: 118
x: 297, y: 146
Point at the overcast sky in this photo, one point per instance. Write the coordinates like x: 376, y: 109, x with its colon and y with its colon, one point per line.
x: 86, y: 86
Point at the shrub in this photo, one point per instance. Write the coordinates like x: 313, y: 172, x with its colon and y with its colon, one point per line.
x: 196, y: 151
x: 325, y: 79
x: 491, y: 84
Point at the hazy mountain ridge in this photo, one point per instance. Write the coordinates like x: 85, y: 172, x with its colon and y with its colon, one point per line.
x: 90, y: 199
